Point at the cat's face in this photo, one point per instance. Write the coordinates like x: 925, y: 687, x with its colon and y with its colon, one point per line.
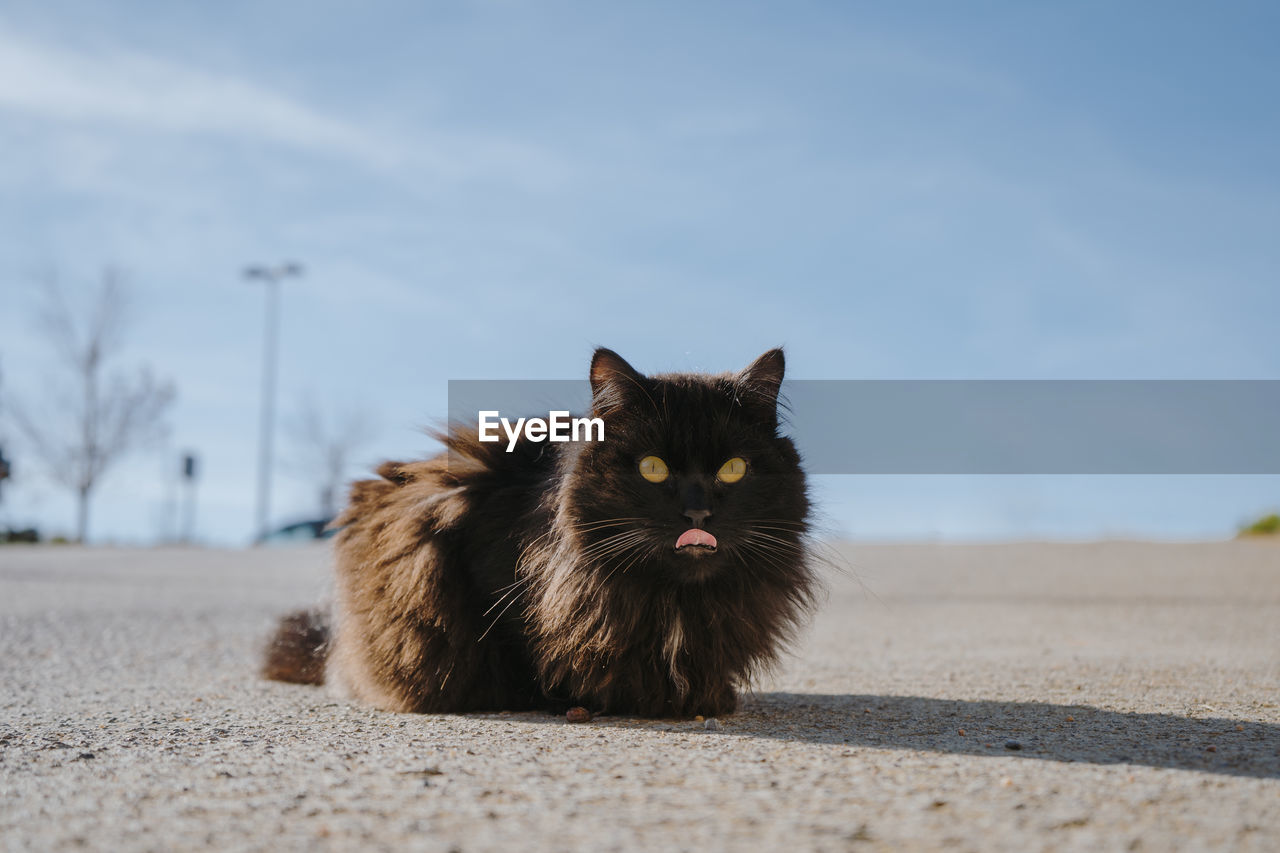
x: 692, y: 481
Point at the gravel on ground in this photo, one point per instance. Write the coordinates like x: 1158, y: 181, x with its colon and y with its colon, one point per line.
x: 1110, y: 696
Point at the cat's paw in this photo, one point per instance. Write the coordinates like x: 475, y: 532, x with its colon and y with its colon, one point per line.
x: 720, y: 703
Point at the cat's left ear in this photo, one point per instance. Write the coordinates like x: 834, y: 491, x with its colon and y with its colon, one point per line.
x: 613, y: 381
x: 763, y: 378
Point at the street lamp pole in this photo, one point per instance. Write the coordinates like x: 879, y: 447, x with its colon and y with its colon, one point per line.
x: 271, y: 277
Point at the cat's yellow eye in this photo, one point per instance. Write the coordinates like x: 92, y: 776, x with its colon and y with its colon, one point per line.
x: 733, y: 470
x: 653, y: 469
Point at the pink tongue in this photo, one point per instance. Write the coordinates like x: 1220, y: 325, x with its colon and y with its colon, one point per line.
x: 694, y: 536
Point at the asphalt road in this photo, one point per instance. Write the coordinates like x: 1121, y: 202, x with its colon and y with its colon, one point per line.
x: 1116, y: 696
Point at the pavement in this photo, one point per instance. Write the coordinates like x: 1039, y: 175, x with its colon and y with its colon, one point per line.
x: 1028, y: 696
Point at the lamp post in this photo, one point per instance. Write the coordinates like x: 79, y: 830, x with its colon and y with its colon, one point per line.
x: 190, y: 471
x: 271, y: 277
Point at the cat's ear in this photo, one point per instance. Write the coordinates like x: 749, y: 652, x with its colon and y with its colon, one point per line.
x: 613, y: 381
x: 762, y: 379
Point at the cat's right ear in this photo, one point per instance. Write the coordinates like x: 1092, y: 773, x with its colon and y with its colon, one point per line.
x: 760, y: 382
x: 613, y: 381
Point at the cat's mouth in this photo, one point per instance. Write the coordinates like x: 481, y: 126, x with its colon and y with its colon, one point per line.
x: 696, y: 540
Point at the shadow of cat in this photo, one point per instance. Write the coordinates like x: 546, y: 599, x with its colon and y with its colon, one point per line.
x: 1067, y: 733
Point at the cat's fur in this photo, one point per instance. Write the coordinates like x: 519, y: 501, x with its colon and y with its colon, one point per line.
x: 548, y: 576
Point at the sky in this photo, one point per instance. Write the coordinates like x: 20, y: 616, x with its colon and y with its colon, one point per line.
x: 491, y: 189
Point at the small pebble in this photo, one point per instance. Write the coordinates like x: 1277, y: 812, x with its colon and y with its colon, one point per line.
x: 1210, y: 749
x: 1012, y: 744
x: 1239, y: 728
x: 962, y: 733
x: 578, y: 714
x: 699, y: 718
x: 1070, y: 719
x: 712, y: 725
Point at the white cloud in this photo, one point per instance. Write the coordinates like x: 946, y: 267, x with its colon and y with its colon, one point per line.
x: 146, y: 93
x: 136, y: 92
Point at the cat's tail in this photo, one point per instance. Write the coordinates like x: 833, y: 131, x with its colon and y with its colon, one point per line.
x: 298, y: 649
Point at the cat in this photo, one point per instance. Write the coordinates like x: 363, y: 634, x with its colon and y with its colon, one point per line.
x: 652, y: 573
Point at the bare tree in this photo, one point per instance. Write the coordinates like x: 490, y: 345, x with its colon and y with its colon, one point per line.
x: 323, y: 447
x: 103, y: 415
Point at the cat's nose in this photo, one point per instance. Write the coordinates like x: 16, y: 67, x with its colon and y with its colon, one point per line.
x: 697, y: 516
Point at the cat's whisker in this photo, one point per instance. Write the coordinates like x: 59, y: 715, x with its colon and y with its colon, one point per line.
x: 606, y: 546
x: 533, y: 545
x: 508, y: 586
x: 628, y: 525
x: 758, y: 526
x: 612, y: 543
x: 502, y: 592
x: 610, y: 538
x: 604, y: 583
x: 789, y: 530
x: 773, y: 552
x: 760, y: 531
x: 830, y: 557
x: 512, y: 591
x: 775, y: 541
x: 604, y: 522
x: 818, y: 552
x: 631, y: 528
x: 498, y: 618
x: 623, y: 549
x: 635, y: 557
x: 518, y: 580
x: 639, y: 554
x: 758, y: 552
x: 834, y: 558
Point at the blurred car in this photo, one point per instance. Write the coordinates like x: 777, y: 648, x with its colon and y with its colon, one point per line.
x: 300, y: 533
x: 24, y: 535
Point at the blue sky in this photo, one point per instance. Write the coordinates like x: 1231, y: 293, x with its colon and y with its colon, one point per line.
x: 489, y: 189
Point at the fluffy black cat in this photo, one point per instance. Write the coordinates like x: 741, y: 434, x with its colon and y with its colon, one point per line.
x: 652, y: 573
